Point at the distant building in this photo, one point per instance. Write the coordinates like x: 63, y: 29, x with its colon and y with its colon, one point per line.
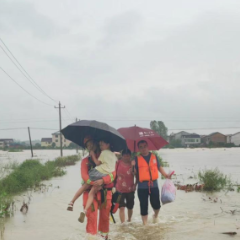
x: 190, y: 140
x: 5, y: 142
x: 235, y: 138
x: 229, y: 138
x: 187, y: 139
x: 178, y: 136
x: 215, y: 137
x: 46, y: 142
x: 56, y: 140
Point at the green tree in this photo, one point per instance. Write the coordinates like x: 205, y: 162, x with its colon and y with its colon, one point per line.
x: 72, y: 145
x: 37, y: 145
x: 53, y: 144
x: 159, y: 127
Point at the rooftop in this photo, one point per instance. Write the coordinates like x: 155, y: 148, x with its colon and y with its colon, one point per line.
x: 46, y: 140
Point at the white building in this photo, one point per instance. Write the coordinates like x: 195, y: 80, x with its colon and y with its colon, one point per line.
x: 191, y: 139
x: 178, y: 136
x: 46, y: 142
x: 235, y: 138
x: 187, y: 139
x: 56, y: 140
x: 229, y: 138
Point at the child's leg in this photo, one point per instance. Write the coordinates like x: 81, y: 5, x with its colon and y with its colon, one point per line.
x: 77, y: 195
x: 91, y: 195
x: 80, y: 191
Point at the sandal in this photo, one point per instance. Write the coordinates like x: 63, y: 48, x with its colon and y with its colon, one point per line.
x: 70, y: 206
x: 81, y: 218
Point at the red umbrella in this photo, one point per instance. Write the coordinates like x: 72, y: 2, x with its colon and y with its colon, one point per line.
x: 135, y: 134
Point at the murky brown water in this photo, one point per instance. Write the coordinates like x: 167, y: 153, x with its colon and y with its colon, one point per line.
x: 189, y: 217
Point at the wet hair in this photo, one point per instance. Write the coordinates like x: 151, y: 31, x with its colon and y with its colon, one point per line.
x: 142, y: 141
x: 107, y: 141
x: 126, y: 151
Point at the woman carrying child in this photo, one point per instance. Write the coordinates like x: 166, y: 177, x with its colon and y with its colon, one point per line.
x: 105, y: 173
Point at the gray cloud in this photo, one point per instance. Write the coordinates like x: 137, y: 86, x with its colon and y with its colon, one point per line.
x: 122, y: 28
x: 126, y: 65
x: 23, y: 16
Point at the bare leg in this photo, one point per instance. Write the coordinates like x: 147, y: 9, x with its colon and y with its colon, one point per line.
x: 122, y: 214
x: 145, y: 219
x: 130, y: 213
x: 80, y: 192
x: 155, y: 216
x: 156, y: 212
x: 91, y: 196
x: 77, y: 195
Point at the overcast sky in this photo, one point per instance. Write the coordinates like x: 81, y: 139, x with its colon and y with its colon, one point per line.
x: 122, y: 62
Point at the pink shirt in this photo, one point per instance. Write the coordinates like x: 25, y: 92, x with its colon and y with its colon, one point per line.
x: 125, y: 177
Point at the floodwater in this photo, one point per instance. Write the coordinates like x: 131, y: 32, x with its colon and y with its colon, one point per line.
x: 189, y: 217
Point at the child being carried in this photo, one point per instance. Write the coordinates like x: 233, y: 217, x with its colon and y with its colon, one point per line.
x: 105, y: 165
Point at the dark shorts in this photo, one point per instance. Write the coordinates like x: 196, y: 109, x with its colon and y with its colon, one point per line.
x: 143, y: 195
x: 127, y: 200
x: 95, y: 175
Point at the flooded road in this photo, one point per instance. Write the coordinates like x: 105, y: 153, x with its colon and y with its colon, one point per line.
x: 189, y: 217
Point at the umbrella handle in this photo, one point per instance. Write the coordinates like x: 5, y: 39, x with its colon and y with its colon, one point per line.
x: 112, y: 217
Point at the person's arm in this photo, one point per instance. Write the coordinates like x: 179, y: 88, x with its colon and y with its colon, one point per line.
x: 106, y: 180
x: 134, y: 166
x: 84, y: 171
x: 96, y: 161
x: 161, y: 169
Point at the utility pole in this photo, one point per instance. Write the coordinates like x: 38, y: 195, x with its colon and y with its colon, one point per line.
x: 30, y: 140
x: 60, y: 126
x: 76, y: 144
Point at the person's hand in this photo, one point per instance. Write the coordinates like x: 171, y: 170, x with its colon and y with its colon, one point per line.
x: 133, y: 163
x: 98, y: 182
x: 169, y: 176
x: 91, y: 153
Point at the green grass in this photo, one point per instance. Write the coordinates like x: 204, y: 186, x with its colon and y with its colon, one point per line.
x: 16, y: 178
x: 66, y: 161
x: 14, y: 150
x: 5, y: 205
x: 213, y: 180
x: 31, y: 172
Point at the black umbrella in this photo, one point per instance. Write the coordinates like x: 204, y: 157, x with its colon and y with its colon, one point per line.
x: 76, y: 132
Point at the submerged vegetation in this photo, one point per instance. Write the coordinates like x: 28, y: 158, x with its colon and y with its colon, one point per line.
x: 214, y: 180
x: 15, y: 178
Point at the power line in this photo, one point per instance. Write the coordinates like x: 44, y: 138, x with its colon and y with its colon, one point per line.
x: 22, y: 87
x: 45, y: 129
x: 27, y: 121
x: 28, y: 77
x: 26, y: 128
x: 69, y: 114
x: 12, y: 128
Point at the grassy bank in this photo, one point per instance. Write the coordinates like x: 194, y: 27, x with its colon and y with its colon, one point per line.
x: 214, y: 180
x: 15, y: 150
x: 28, y: 175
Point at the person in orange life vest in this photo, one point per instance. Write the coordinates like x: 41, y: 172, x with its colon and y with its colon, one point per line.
x: 93, y: 226
x: 125, y: 185
x: 146, y: 168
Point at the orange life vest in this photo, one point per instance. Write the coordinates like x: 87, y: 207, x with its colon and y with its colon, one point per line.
x: 147, y: 172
